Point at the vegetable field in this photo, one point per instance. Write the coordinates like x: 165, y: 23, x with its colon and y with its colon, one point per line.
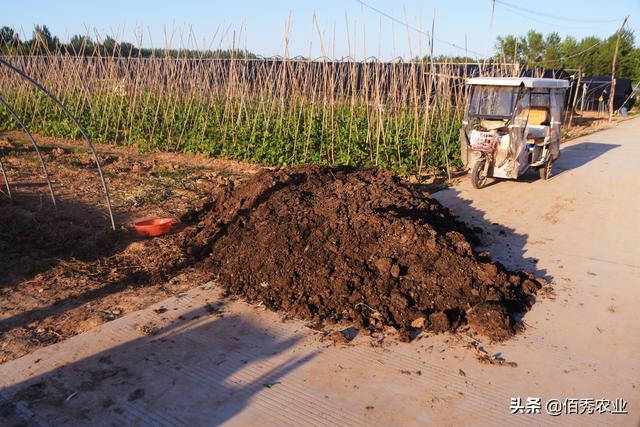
x: 404, y: 116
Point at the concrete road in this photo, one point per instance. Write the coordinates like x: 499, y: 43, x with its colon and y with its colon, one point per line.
x: 201, y: 360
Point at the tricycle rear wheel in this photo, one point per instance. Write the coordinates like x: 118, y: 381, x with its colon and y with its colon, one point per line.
x: 479, y: 174
x: 545, y: 170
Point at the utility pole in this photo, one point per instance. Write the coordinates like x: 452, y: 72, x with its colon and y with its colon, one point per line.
x: 575, y: 95
x: 516, y: 61
x: 493, y: 11
x: 613, y: 69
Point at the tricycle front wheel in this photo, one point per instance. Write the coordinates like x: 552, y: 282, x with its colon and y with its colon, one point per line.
x: 479, y: 174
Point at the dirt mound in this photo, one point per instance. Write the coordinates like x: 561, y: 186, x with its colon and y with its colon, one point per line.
x: 339, y: 244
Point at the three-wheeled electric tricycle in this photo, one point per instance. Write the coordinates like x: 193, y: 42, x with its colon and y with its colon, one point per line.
x: 511, y: 124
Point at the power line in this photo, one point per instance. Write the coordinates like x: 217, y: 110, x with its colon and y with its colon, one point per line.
x: 515, y: 11
x: 561, y: 18
x: 574, y: 55
x: 579, y: 53
x: 564, y: 58
x: 398, y: 21
x: 561, y: 59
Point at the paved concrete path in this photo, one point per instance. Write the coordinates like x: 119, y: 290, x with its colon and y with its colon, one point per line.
x: 198, y: 359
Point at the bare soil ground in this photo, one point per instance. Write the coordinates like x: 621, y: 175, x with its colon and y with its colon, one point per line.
x: 63, y: 271
x: 586, y: 122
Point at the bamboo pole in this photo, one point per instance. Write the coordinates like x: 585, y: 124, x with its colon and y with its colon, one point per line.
x: 612, y: 92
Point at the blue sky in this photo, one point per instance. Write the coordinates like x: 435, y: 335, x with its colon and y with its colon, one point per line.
x: 260, y: 25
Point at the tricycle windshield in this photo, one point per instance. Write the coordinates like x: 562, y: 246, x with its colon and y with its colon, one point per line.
x: 493, y: 101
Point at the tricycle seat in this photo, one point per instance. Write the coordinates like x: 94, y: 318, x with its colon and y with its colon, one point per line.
x: 537, y: 132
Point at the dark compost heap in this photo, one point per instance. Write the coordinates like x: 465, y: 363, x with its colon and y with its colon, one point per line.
x: 355, y: 245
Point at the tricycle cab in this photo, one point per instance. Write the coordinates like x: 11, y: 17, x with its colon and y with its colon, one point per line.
x: 512, y: 124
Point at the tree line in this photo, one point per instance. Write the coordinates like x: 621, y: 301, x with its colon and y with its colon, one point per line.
x: 593, y: 54
x: 43, y: 42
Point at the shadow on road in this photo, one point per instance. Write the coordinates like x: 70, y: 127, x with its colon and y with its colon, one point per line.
x: 577, y: 155
x: 505, y: 244
x: 201, y: 369
x: 571, y: 157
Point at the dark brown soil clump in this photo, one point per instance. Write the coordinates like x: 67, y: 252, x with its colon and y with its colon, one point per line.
x: 339, y: 244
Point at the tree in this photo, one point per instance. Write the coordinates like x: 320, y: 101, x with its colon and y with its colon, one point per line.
x: 627, y: 63
x: 80, y: 45
x: 510, y: 47
x: 9, y: 40
x: 568, y: 48
x: 453, y: 59
x: 534, y: 47
x: 43, y: 40
x: 109, y: 45
x: 591, y: 53
x: 126, y: 49
x: 6, y: 35
x: 552, y: 51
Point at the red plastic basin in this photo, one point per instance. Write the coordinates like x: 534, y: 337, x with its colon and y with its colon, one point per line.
x: 153, y: 227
